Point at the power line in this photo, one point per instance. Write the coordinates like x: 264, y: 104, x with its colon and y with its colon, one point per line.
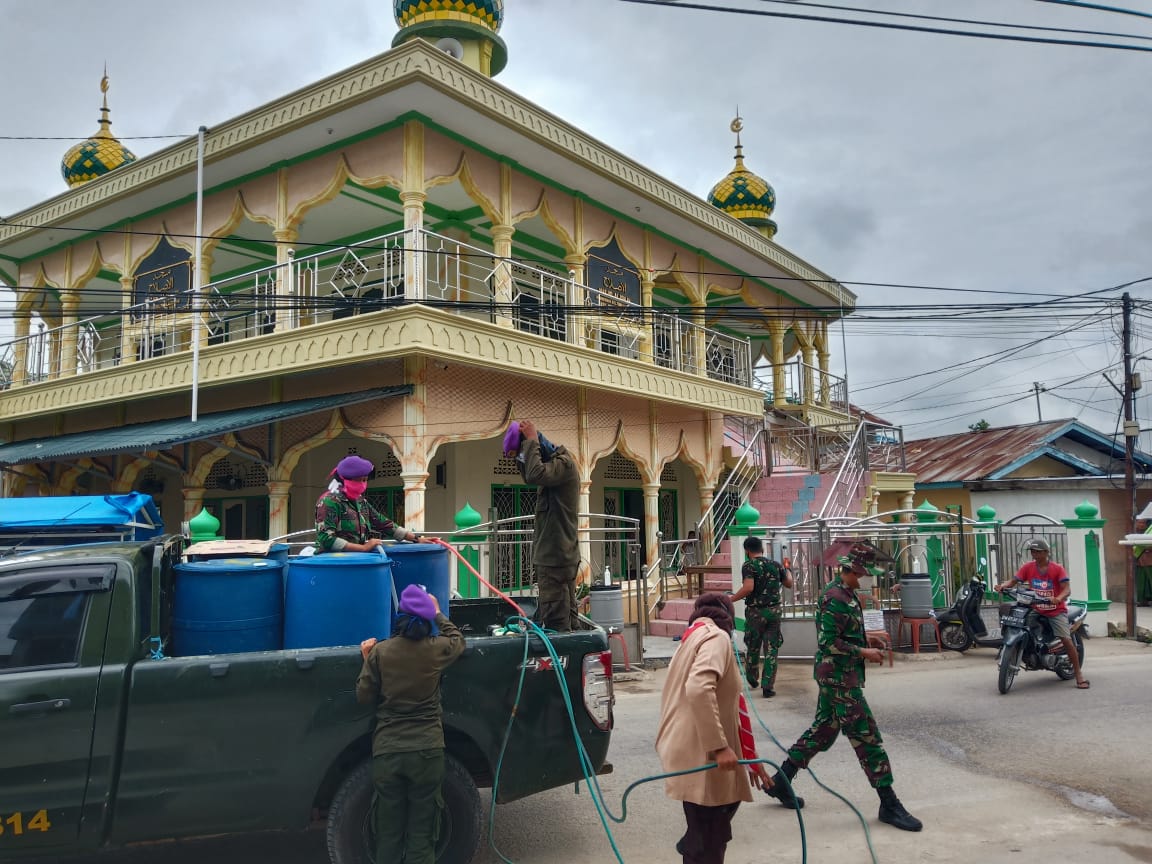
x: 977, y: 22
x: 83, y: 137
x: 1004, y: 37
x: 1097, y: 7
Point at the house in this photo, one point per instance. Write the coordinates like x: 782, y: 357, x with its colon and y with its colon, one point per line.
x: 1047, y: 469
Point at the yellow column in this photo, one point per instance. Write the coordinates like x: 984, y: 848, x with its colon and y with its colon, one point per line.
x: 825, y: 384
x: 808, y: 353
x: 778, y: 333
x: 413, y: 196
x: 20, y: 347
x: 278, y: 493
x: 651, y: 532
x: 576, y: 263
x: 69, y: 303
x: 414, y: 447
x: 647, y: 284
x: 583, y: 527
x: 193, y: 502
x: 700, y: 342
x: 705, y: 534
x: 287, y: 300
x: 502, y: 273
x: 128, y: 327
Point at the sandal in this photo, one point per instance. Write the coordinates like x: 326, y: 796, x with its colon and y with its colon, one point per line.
x: 1083, y: 685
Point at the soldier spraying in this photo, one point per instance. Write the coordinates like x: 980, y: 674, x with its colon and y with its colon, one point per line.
x: 839, y: 671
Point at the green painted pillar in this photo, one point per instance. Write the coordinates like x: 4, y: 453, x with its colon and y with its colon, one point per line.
x: 468, y: 545
x: 1085, y: 564
x: 984, y: 537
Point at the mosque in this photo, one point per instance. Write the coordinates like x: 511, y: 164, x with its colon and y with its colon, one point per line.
x: 397, y: 261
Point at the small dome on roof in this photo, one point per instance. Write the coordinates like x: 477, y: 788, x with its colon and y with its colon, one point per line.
x: 100, y: 154
x: 745, y: 195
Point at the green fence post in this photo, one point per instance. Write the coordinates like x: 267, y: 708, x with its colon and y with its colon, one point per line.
x: 1085, y: 564
x: 468, y: 545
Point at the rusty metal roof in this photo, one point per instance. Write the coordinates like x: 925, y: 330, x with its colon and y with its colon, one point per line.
x: 995, y: 453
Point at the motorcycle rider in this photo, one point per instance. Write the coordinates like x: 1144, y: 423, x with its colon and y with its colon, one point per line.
x: 1050, y: 582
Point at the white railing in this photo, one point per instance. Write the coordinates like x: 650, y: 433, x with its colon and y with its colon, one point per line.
x: 805, y: 385
x: 710, y: 529
x: 398, y: 268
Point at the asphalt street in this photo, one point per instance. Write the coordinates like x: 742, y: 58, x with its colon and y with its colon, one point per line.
x: 1044, y: 773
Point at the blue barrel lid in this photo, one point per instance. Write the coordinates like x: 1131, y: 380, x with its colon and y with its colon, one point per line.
x: 416, y: 548
x: 340, y: 559
x: 218, y: 565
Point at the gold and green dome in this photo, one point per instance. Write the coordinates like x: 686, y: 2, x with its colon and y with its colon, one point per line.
x: 467, y: 21
x: 100, y: 154
x: 745, y: 195
x: 486, y: 13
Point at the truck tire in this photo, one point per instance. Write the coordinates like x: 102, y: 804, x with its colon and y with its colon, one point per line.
x: 350, y: 838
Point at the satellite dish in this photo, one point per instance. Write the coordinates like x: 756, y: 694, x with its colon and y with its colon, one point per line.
x: 451, y: 47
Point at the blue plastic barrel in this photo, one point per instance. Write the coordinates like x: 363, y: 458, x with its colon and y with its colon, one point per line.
x: 337, y: 598
x: 228, y: 606
x: 424, y: 564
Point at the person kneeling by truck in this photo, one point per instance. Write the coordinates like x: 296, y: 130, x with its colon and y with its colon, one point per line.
x: 401, y: 677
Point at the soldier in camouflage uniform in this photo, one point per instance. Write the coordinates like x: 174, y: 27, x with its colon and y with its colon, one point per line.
x: 763, y: 579
x: 839, y: 670
x: 345, y: 522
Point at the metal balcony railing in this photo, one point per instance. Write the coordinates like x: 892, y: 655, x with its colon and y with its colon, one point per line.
x: 400, y: 268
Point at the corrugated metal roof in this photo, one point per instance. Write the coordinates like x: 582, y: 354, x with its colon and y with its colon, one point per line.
x: 162, y: 434
x: 978, y: 455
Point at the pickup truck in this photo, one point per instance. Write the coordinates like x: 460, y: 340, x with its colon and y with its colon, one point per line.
x: 107, y: 743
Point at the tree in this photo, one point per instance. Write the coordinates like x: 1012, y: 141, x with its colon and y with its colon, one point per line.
x: 981, y: 425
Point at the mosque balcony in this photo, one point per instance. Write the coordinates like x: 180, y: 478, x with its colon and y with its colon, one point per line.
x: 408, y: 293
x: 810, y: 393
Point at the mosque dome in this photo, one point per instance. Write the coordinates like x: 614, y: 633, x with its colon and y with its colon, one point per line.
x: 484, y: 13
x: 745, y: 195
x: 100, y: 154
x: 466, y: 29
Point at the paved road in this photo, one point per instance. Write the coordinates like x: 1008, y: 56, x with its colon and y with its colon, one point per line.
x: 1046, y: 773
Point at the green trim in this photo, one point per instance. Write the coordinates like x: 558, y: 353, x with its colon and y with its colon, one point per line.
x: 523, y: 238
x: 1092, y: 605
x: 376, y: 201
x: 6, y: 276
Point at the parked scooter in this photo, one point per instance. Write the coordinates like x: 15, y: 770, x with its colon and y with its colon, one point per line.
x: 961, y: 625
x: 1029, y: 643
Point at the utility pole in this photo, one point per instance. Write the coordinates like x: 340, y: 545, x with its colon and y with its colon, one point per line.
x: 1131, y: 434
x: 1038, y: 388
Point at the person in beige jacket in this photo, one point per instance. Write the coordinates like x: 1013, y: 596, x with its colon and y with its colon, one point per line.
x: 700, y: 723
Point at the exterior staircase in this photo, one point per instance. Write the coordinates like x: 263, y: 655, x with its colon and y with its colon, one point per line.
x: 782, y: 499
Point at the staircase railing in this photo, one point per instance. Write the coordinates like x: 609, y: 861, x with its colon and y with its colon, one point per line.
x: 731, y: 494
x: 873, y: 447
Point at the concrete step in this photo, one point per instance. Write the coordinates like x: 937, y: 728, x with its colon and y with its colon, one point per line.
x: 677, y: 609
x: 717, y: 585
x: 668, y: 628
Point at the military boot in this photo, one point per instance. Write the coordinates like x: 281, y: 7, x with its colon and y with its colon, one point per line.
x: 781, y: 786
x: 893, y: 812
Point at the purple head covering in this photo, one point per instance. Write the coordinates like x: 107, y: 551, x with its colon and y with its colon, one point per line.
x: 512, y: 438
x: 354, y: 466
x: 415, y: 601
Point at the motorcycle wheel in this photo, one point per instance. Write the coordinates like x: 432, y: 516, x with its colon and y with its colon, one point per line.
x: 1064, y: 665
x: 1009, y: 662
x: 955, y: 638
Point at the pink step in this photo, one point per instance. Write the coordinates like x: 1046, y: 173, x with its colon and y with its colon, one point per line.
x: 668, y: 628
x: 717, y: 584
x: 677, y: 609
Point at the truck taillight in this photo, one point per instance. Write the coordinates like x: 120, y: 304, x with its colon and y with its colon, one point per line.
x: 598, y: 696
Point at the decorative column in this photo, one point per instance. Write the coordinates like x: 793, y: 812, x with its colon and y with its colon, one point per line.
x: 20, y: 348
x: 927, y: 517
x: 583, y: 531
x: 825, y: 387
x: 809, y: 355
x: 576, y: 263
x: 778, y: 332
x: 651, y: 533
x: 704, y: 532
x: 700, y: 339
x: 69, y: 304
x: 414, y: 453
x: 413, y: 196
x: 127, y: 325
x: 503, y: 288
x: 1085, y: 565
x: 647, y: 317
x: 279, y: 491
x: 287, y: 307
x: 989, y: 573
x: 468, y: 545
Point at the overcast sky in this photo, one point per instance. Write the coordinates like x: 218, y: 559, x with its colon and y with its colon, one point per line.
x: 897, y: 158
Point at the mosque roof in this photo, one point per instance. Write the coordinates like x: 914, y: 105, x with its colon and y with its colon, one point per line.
x: 486, y: 13
x: 98, y: 155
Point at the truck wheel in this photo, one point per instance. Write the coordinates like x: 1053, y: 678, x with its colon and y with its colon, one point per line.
x: 350, y: 835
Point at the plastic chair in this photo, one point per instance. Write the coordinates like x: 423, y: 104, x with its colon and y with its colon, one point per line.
x: 915, y: 624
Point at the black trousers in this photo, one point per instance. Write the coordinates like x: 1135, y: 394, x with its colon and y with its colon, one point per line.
x: 709, y: 830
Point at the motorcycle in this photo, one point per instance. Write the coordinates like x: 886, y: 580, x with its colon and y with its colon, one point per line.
x: 1029, y: 643
x: 961, y: 626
